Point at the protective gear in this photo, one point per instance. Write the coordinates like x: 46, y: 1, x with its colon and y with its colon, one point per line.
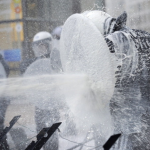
x: 42, y: 43
x: 84, y: 54
x: 131, y: 50
x: 43, y: 114
x: 98, y: 18
x: 56, y: 33
x: 42, y: 46
x: 131, y: 47
x: 105, y: 23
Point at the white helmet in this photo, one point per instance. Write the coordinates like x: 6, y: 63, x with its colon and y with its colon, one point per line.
x: 103, y: 21
x: 42, y: 43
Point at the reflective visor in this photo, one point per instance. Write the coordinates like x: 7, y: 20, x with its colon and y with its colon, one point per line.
x: 42, y: 47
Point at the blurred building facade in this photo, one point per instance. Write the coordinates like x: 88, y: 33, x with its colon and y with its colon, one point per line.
x: 20, y: 20
x: 11, y: 32
x: 138, y: 12
x: 48, y: 14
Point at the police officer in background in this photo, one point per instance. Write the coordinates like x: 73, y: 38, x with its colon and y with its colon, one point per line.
x: 55, y: 55
x: 4, y: 102
x: 42, y: 47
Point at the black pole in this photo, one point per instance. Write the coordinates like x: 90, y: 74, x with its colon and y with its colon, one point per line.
x: 41, y: 140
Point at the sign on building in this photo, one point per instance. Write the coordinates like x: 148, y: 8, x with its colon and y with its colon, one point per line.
x: 12, y: 55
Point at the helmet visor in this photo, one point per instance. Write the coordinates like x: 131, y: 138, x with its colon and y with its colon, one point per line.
x: 42, y: 47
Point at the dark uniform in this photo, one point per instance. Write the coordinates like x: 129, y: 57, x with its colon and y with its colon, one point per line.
x: 131, y: 101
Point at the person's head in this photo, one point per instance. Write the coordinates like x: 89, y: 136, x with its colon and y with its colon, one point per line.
x: 42, y: 43
x: 56, y: 33
x: 104, y: 22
